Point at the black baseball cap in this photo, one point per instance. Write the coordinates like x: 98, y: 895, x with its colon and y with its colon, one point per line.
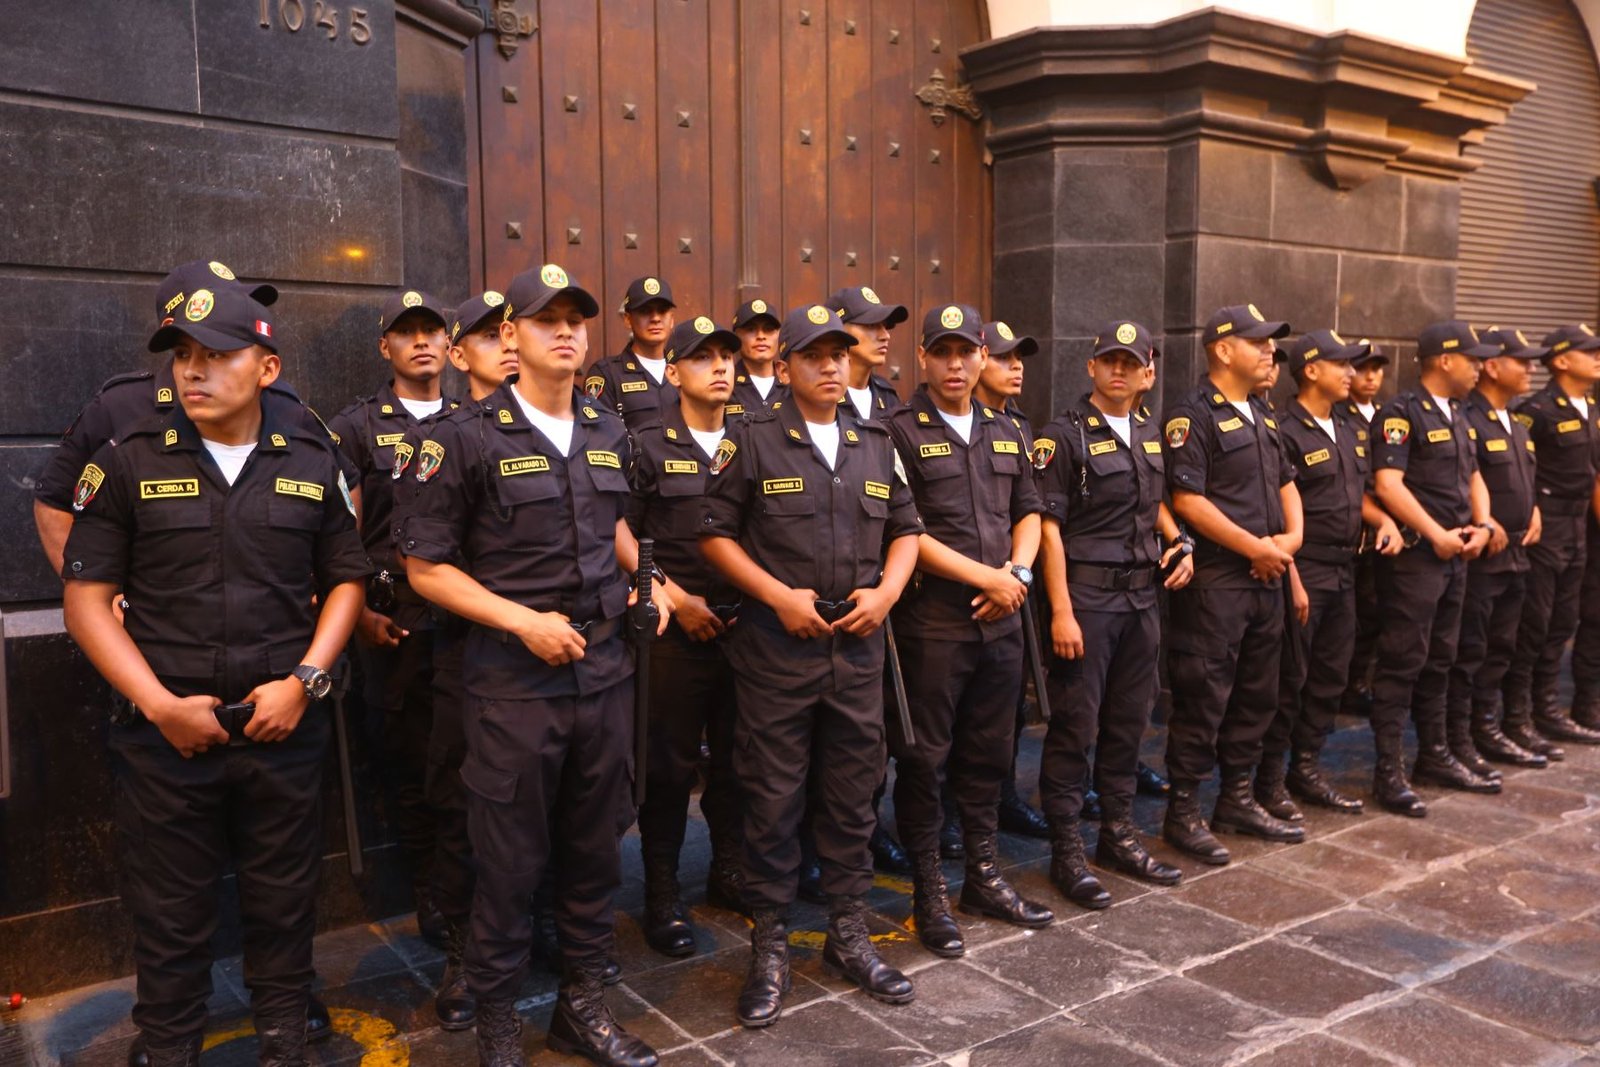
x: 751, y: 310
x: 531, y: 290
x: 1374, y: 354
x: 1125, y: 335
x: 1004, y: 342
x: 1566, y: 338
x: 184, y: 280
x: 952, y: 320
x: 859, y: 304
x: 1514, y: 344
x: 408, y: 300
x: 687, y: 338
x: 1323, y: 346
x: 1241, y: 320
x: 642, y: 291
x: 472, y: 315
x: 805, y: 325
x: 1453, y: 338
x: 224, y: 319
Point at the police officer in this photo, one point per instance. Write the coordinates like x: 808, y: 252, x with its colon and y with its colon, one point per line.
x: 516, y: 524
x: 1232, y: 485
x: 1101, y: 474
x: 801, y: 506
x: 756, y: 388
x: 1497, y: 580
x: 869, y: 320
x: 230, y: 534
x: 395, y: 635
x: 1332, y: 457
x: 1362, y: 410
x: 691, y: 680
x: 959, y: 634
x: 1563, y: 426
x: 1427, y: 479
x: 633, y: 383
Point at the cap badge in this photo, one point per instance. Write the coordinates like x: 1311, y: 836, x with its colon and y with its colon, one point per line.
x: 221, y: 270
x: 1127, y: 333
x: 869, y: 296
x: 1311, y: 354
x: 493, y: 299
x: 704, y: 325
x: 1521, y: 340
x: 455, y: 331
x: 1254, y: 313
x: 759, y: 307
x: 1339, y: 340
x: 553, y: 276
x: 411, y: 299
x: 651, y: 286
x: 1584, y: 326
x: 1004, y: 331
x: 951, y: 317
x: 818, y: 314
x: 1449, y: 343
x: 200, y: 305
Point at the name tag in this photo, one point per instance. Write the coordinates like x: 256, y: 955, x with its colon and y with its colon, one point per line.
x: 1008, y: 447
x: 774, y: 486
x: 878, y: 489
x: 1100, y: 448
x: 733, y: 409
x: 1230, y: 424
x: 290, y: 487
x: 1319, y: 456
x: 1499, y: 445
x: 682, y: 466
x: 387, y: 439
x: 1437, y: 436
x: 164, y: 488
x: 1153, y: 447
x: 940, y: 449
x: 635, y: 387
x: 1569, y: 426
x: 523, y: 465
x: 604, y: 459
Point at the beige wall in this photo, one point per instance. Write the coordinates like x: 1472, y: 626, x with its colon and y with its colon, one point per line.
x: 1436, y: 25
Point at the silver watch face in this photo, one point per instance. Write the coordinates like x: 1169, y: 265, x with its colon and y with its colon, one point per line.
x: 320, y: 684
x: 1023, y: 575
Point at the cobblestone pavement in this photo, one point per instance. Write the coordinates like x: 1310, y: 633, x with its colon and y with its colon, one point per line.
x: 1469, y: 937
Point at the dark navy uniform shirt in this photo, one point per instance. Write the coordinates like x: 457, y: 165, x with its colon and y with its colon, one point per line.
x: 747, y: 399
x: 1568, y: 444
x: 1434, y: 451
x: 1333, y: 476
x: 1506, y: 460
x: 885, y: 401
x: 621, y: 384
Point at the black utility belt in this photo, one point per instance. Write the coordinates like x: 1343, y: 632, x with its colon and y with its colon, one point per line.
x: 1563, y: 505
x: 1124, y: 579
x: 1337, y: 555
x: 231, y: 717
x: 594, y: 631
x: 830, y: 611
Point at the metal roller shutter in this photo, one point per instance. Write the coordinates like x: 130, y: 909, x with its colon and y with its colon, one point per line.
x: 1529, y: 221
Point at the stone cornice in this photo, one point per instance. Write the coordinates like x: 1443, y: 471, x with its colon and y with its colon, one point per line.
x: 454, y: 20
x: 1358, y: 104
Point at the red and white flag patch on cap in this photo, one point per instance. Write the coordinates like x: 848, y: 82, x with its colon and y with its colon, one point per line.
x: 263, y: 328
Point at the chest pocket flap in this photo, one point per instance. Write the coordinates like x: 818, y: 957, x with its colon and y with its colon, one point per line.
x: 1108, y: 461
x: 174, y: 514
x: 682, y: 484
x: 1234, y: 433
x: 514, y: 489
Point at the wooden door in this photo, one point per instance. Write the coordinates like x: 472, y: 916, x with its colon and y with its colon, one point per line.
x: 737, y: 148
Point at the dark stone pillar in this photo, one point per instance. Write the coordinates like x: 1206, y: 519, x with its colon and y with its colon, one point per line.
x: 1157, y: 173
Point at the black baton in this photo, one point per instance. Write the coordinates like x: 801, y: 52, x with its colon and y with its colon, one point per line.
x: 897, y: 676
x: 1030, y: 648
x: 645, y: 620
x: 347, y: 778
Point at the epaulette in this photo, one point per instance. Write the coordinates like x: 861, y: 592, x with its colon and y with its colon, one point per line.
x: 124, y: 379
x: 358, y: 403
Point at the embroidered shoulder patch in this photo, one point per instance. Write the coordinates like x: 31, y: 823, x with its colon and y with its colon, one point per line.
x: 88, y: 485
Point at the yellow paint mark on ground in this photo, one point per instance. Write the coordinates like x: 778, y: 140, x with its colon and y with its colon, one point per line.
x: 892, y: 883
x: 381, y: 1042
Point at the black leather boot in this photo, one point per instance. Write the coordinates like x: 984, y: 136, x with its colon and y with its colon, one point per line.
x: 499, y: 1033
x: 1458, y: 738
x: 319, y: 1027
x: 281, y: 1041
x: 1237, y: 811
x: 454, y: 1004
x: 1271, y: 793
x: 1517, y: 724
x: 1557, y: 725
x: 1119, y: 849
x: 887, y: 854
x: 1149, y: 782
x: 1069, y: 869
x: 725, y: 879
x: 139, y: 1051
x: 951, y: 845
x: 1586, y: 710
x: 1305, y: 781
x: 761, y: 999
x: 582, y: 1024
x: 1436, y: 766
x: 186, y: 1054
x: 930, y: 908
x: 666, y: 924
x: 850, y: 954
x: 1389, y: 785
x: 1019, y: 817
x: 985, y: 892
x: 1492, y: 743
x: 1185, y: 828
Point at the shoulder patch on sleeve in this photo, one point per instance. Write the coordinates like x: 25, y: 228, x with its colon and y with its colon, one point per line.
x: 1177, y: 432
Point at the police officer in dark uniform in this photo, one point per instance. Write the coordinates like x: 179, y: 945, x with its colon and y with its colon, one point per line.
x: 869, y: 320
x: 1233, y: 486
x: 1362, y: 410
x: 959, y: 634
x: 1332, y: 457
x: 516, y: 524
x: 633, y: 383
x: 1101, y: 474
x: 691, y: 680
x: 809, y: 515
x: 1565, y: 429
x: 395, y: 635
x: 756, y: 388
x: 231, y: 536
x: 1427, y: 478
x: 1497, y: 580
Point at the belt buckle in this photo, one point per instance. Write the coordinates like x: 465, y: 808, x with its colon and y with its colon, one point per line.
x: 1122, y: 578
x: 580, y: 627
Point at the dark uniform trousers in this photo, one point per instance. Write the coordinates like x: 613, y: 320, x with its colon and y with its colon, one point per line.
x: 397, y: 691
x: 452, y: 874
x: 1490, y: 617
x: 1312, y: 680
x: 1223, y: 655
x: 1422, y: 604
x: 177, y: 822
x: 691, y: 694
x: 1586, y: 645
x: 1550, y: 610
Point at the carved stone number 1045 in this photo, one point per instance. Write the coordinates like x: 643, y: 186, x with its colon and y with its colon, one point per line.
x: 294, y: 15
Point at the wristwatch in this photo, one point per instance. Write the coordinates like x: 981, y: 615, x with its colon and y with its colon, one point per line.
x: 317, y: 681
x: 1023, y: 575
